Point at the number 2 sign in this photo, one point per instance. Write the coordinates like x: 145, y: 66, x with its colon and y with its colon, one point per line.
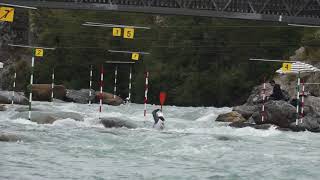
x: 39, y: 53
x: 6, y: 14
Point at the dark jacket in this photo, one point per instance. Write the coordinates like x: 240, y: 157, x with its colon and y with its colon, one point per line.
x: 277, y: 93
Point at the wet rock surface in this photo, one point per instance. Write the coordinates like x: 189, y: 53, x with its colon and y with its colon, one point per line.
x: 80, y: 96
x: 18, y: 98
x: 113, y: 122
x: 45, y: 117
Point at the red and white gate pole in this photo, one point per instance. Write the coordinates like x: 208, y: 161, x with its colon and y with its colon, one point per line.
x: 146, y: 94
x: 298, y: 99
x: 302, y: 101
x: 90, y: 85
x: 130, y: 79
x: 101, y: 89
x: 263, y: 100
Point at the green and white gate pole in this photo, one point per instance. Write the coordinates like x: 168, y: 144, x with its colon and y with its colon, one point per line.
x: 14, y: 86
x: 36, y: 51
x: 52, y: 85
x: 31, y: 83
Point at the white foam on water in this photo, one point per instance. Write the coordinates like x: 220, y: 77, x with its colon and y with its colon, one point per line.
x: 23, y: 121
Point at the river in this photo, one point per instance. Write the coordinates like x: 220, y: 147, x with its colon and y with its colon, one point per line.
x: 192, y: 146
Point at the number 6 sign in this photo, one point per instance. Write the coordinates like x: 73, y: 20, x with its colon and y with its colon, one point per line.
x: 6, y: 14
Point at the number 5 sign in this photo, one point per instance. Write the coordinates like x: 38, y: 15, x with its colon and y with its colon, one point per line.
x: 6, y: 14
x: 128, y: 33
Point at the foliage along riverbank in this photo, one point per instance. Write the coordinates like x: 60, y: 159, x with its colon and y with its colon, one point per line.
x: 199, y: 61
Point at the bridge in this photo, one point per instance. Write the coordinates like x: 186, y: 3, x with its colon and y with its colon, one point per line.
x: 287, y: 11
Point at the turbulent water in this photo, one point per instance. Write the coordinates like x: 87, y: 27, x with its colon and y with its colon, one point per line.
x: 193, y: 146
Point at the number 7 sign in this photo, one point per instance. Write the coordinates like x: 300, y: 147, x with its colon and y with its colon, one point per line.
x: 6, y: 14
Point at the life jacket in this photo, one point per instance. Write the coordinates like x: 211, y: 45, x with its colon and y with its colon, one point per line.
x: 158, y: 119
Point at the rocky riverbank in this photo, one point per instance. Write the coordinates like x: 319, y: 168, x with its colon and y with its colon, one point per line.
x: 281, y: 114
x: 42, y: 92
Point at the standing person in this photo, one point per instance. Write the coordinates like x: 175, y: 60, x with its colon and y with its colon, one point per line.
x: 158, y: 119
x: 277, y: 92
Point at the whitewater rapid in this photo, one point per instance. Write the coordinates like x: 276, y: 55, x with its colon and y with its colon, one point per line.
x: 192, y: 146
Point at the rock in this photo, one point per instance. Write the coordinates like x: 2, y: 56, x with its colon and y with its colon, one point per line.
x: 312, y: 106
x: 279, y: 113
x: 19, y: 98
x: 246, y: 124
x: 240, y: 124
x: 26, y: 108
x: 42, y: 92
x: 230, y: 117
x: 308, y: 123
x: 6, y: 137
x: 58, y: 101
x: 246, y: 110
x: 256, y: 94
x: 80, y: 96
x: 3, y: 107
x: 113, y: 122
x: 107, y: 98
x: 262, y: 126
x: 42, y: 117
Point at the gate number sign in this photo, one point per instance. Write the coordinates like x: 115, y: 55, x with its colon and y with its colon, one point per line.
x: 116, y: 31
x: 128, y: 33
x: 135, y: 56
x: 6, y: 14
x: 286, y: 67
x: 39, y: 53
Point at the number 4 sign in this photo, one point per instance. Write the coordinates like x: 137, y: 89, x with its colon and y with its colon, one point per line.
x: 39, y: 53
x: 286, y: 67
x: 6, y: 14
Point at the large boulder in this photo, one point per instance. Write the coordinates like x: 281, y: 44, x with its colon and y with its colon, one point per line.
x: 42, y: 117
x: 246, y: 110
x: 80, y: 96
x: 113, y: 122
x: 309, y: 123
x: 42, y: 92
x: 279, y: 113
x: 107, y: 98
x: 256, y: 95
x: 312, y: 105
x: 6, y: 98
x: 231, y: 117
